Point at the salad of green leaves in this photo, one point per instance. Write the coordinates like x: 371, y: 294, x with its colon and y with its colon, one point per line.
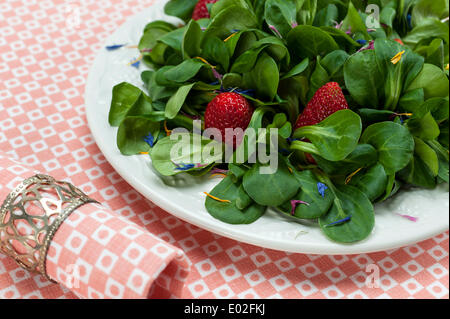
x: 392, y: 64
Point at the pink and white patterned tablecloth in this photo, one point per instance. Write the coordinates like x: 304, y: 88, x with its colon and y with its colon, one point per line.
x: 46, y: 49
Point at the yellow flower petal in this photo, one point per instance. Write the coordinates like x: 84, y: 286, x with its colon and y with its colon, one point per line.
x: 397, y: 57
x: 349, y: 178
x: 230, y: 37
x: 218, y: 174
x: 168, y: 132
x: 217, y: 199
x: 204, y: 61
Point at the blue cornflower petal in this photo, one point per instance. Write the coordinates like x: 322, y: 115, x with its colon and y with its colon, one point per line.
x: 321, y: 187
x: 149, y: 139
x: 346, y: 219
x: 114, y: 47
x: 136, y: 64
x: 185, y: 167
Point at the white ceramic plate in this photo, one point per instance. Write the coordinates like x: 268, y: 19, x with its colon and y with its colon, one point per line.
x: 184, y: 198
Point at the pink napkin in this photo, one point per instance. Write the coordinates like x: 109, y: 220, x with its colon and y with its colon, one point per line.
x: 98, y: 254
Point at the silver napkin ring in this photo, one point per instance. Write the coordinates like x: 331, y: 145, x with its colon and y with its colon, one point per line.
x: 30, y: 216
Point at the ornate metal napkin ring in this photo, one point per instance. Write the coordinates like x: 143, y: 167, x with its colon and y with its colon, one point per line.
x: 25, y: 235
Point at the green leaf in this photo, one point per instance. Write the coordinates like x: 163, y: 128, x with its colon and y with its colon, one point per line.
x: 349, y: 201
x: 427, y: 155
x: 372, y: 181
x: 296, y: 70
x: 334, y: 138
x: 216, y: 51
x: 424, y: 127
x: 238, y: 171
x: 334, y: 62
x: 344, y: 41
x: 246, y: 61
x: 232, y: 80
x: 394, y: 143
x: 182, y: 9
x: 174, y: 39
x: 264, y: 77
x: 428, y: 29
x: 132, y: 132
x: 433, y: 81
x: 228, y: 212
x: 224, y: 4
x: 176, y: 101
x: 417, y: 173
x: 192, y: 40
x: 232, y: 18
x: 364, y: 79
x: 364, y: 155
x: 270, y: 189
x: 151, y: 37
x: 156, y: 92
x: 371, y: 116
x: 307, y: 11
x: 179, y: 148
x: 309, y: 193
x: 184, y: 71
x: 307, y: 41
x: 319, y: 78
x: 443, y: 157
x: 243, y: 200
x: 398, y: 76
x: 281, y: 14
x: 425, y: 9
x: 142, y: 106
x: 354, y: 22
x: 412, y: 101
x: 124, y: 95
x: 326, y: 16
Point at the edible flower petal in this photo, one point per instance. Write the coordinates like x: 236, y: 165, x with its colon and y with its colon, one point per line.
x: 274, y: 29
x: 397, y: 57
x: 136, y: 62
x: 114, y: 47
x: 321, y: 187
x: 219, y: 171
x: 184, y: 167
x: 150, y: 139
x: 341, y: 221
x: 168, y: 132
x: 411, y: 218
x: 349, y: 178
x: 295, y: 203
x: 216, y: 198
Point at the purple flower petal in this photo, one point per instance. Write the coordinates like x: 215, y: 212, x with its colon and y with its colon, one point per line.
x: 274, y: 29
x: 411, y: 218
x: 294, y: 204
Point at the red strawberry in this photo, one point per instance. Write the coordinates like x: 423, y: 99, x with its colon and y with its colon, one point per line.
x: 228, y: 110
x: 201, y: 10
x: 326, y: 101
